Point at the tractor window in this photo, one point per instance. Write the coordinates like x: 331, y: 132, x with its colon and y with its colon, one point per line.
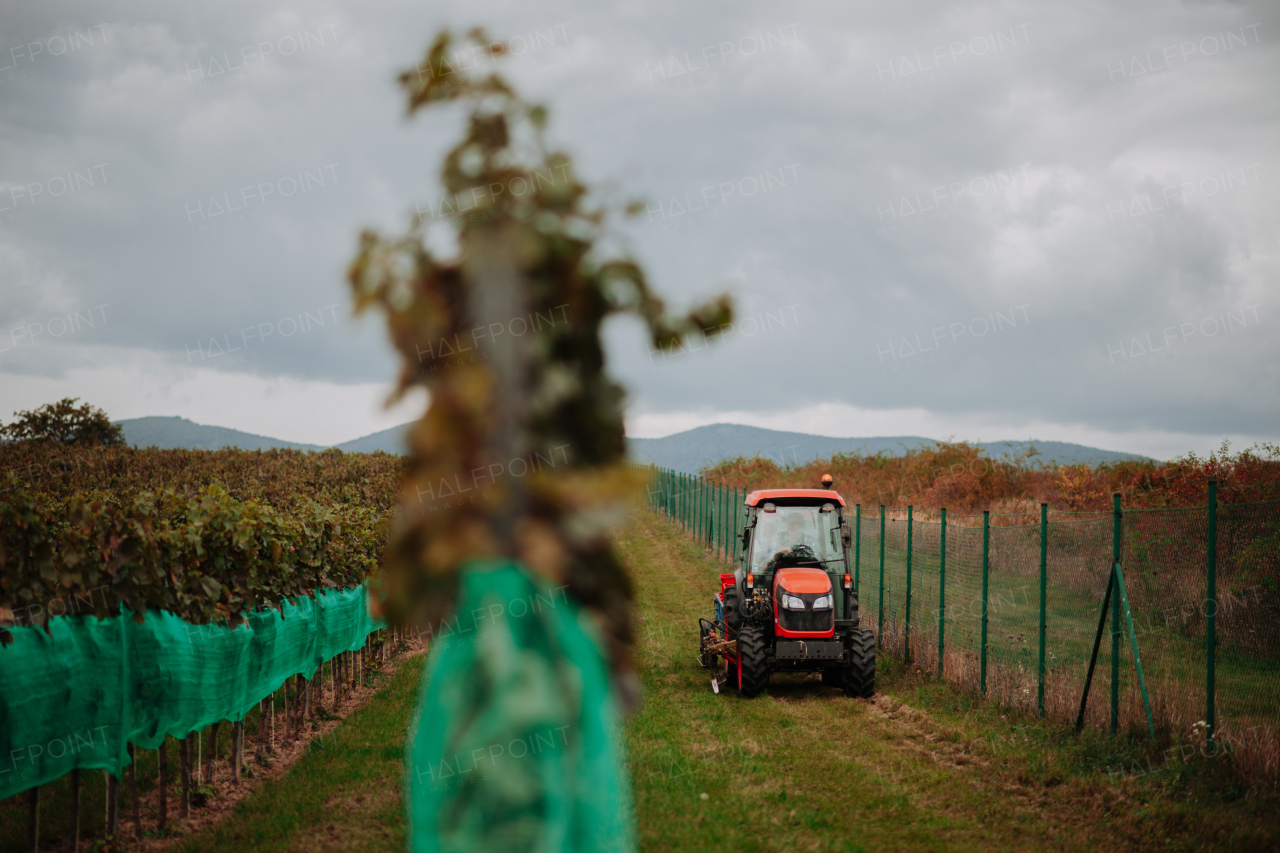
x: 792, y: 526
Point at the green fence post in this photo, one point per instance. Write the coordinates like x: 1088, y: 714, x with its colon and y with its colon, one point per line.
x: 880, y: 623
x: 696, y: 528
x: 734, y: 508
x: 1133, y: 637
x: 906, y: 636
x: 1211, y: 616
x: 702, y: 511
x: 726, y: 533
x: 942, y: 589
x: 1044, y: 574
x: 1097, y: 643
x: 728, y: 526
x: 1115, y: 618
x: 726, y: 529
x: 717, y: 520
x: 857, y: 547
x: 986, y: 565
x: 704, y: 506
x: 737, y: 517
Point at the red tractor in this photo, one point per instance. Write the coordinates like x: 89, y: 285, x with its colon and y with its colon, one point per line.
x: 790, y: 606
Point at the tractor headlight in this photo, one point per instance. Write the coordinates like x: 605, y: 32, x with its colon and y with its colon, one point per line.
x: 822, y: 603
x: 792, y: 602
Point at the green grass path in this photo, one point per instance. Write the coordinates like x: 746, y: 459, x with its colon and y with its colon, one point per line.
x: 920, y: 767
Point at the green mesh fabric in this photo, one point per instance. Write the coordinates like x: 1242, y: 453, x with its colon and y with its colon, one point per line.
x: 77, y: 695
x: 517, y: 745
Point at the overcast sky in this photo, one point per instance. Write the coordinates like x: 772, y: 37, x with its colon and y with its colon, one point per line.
x: 980, y: 220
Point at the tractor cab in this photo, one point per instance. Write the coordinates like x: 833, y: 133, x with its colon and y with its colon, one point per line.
x: 790, y: 606
x: 789, y: 529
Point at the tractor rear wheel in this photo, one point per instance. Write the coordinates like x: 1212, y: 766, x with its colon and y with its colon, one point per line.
x: 860, y: 671
x: 755, y: 667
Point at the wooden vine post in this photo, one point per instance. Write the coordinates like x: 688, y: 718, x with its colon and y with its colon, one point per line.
x: 113, y: 805
x: 133, y: 794
x: 237, y: 749
x: 163, y: 758
x: 187, y: 746
x: 211, y: 752
x: 33, y: 819
x: 73, y: 833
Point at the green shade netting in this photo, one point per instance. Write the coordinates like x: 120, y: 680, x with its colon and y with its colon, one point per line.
x: 77, y: 695
x: 517, y: 741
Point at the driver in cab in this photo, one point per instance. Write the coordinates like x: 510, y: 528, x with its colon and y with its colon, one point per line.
x: 785, y: 539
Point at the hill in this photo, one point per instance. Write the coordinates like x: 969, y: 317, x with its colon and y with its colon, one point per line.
x: 686, y: 451
x: 693, y: 449
x: 175, y: 432
x: 167, y: 433
x: 388, y: 441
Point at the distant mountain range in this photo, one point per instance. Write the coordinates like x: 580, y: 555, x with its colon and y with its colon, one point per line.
x: 686, y: 451
x: 180, y: 432
x: 693, y: 449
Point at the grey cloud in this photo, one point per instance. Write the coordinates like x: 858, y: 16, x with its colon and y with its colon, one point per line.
x: 885, y: 171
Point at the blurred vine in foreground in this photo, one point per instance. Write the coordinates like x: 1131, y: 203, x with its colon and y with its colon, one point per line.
x: 521, y: 451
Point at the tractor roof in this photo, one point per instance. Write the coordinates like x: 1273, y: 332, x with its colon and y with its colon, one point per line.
x: 794, y: 496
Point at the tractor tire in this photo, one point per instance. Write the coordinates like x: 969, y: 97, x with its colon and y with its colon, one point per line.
x: 755, y: 667
x: 860, y: 671
x: 732, y: 608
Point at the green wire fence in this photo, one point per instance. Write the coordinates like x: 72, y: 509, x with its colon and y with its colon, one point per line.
x: 1015, y: 611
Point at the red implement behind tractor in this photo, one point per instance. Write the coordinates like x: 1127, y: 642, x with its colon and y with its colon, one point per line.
x: 791, y: 605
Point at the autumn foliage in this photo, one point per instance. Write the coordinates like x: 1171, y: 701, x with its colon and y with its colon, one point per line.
x: 960, y: 477
x: 206, y: 535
